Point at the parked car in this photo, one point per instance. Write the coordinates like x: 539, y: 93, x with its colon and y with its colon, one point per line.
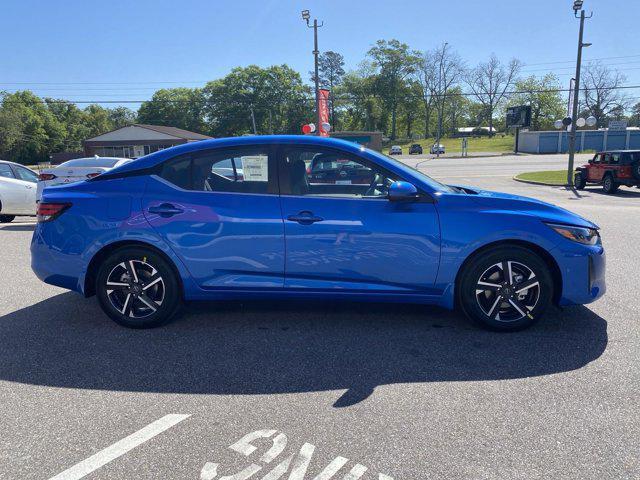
x: 437, y: 149
x: 415, y: 149
x: 17, y: 191
x: 77, y: 170
x: 395, y: 150
x: 147, y: 235
x: 610, y: 169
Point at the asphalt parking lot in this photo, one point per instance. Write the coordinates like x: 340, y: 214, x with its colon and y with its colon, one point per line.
x: 404, y: 392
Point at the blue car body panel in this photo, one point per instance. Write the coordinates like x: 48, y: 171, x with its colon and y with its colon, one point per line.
x: 231, y: 245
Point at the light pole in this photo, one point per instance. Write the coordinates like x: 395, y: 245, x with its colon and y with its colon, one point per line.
x: 306, y: 16
x: 577, y: 6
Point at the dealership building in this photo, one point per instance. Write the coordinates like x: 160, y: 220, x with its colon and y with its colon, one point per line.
x: 136, y: 140
x: 557, y: 141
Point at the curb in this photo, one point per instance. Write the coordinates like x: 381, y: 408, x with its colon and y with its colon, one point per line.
x: 535, y: 182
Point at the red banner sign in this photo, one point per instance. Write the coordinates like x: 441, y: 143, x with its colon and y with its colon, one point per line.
x: 324, y: 112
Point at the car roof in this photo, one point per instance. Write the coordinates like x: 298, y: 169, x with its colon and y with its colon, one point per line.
x: 151, y: 160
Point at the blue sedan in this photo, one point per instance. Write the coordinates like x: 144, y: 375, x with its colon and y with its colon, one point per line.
x: 255, y: 218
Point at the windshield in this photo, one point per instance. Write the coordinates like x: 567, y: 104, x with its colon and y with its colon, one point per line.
x: 92, y: 162
x: 415, y: 172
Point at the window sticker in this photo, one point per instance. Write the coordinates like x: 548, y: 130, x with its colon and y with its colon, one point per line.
x: 255, y: 168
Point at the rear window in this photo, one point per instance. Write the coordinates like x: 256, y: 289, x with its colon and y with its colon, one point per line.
x: 91, y: 162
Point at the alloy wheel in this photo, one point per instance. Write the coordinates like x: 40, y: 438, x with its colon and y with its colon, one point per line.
x: 135, y: 288
x: 507, y: 291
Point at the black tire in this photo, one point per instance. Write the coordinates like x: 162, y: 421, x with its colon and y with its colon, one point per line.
x: 635, y: 171
x: 579, y: 180
x: 609, y: 185
x: 137, y: 299
x: 490, y: 303
x: 7, y: 218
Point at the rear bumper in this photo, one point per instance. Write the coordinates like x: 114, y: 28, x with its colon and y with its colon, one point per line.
x: 54, y: 267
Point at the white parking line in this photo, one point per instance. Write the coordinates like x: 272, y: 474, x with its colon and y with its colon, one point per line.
x: 119, y: 448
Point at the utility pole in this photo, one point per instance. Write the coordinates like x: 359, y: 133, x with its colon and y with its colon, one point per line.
x: 253, y: 122
x: 577, y: 5
x: 306, y: 16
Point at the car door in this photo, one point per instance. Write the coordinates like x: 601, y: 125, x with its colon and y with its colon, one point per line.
x: 346, y: 235
x: 220, y: 213
x: 29, y: 181
x: 595, y: 170
x: 11, y: 191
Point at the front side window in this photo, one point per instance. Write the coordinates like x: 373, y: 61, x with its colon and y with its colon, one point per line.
x: 614, y: 158
x: 330, y: 173
x: 237, y: 171
x: 5, y: 171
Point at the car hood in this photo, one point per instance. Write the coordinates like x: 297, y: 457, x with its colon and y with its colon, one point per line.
x: 525, y: 205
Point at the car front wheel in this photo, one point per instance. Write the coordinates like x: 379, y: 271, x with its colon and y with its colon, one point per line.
x: 579, y: 180
x: 505, y: 289
x: 137, y: 288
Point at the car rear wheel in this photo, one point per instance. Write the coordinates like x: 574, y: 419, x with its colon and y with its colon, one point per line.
x: 579, y: 180
x: 137, y: 288
x: 7, y: 218
x: 609, y: 185
x: 635, y: 170
x: 505, y: 289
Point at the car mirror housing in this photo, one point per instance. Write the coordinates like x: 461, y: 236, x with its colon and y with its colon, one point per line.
x: 402, y: 191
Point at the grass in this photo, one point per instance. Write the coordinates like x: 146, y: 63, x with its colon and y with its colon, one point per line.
x: 552, y: 177
x: 498, y: 143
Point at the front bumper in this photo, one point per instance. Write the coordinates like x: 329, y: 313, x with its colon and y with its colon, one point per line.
x: 583, y: 274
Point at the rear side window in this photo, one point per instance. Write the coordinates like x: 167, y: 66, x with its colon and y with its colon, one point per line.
x: 178, y: 172
x: 243, y: 170
x: 26, y: 174
x: 5, y: 171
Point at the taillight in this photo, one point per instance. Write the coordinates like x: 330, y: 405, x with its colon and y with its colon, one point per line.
x: 49, y: 211
x: 46, y: 176
x: 92, y: 175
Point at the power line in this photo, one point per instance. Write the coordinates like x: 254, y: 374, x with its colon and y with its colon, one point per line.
x: 573, y: 61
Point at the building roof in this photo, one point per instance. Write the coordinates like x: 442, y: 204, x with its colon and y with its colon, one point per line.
x: 141, y: 132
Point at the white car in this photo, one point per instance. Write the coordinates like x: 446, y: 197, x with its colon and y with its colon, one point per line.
x: 17, y: 191
x: 77, y: 170
x: 437, y: 149
x: 395, y: 150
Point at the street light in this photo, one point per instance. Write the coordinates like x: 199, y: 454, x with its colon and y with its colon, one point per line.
x: 577, y: 6
x: 306, y: 16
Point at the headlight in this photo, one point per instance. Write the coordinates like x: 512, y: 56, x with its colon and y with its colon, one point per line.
x: 586, y: 236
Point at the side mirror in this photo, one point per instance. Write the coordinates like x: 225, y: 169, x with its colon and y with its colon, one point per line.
x: 402, y: 192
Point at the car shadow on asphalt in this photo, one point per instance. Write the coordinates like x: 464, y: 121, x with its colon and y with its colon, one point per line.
x: 25, y: 227
x: 272, y: 348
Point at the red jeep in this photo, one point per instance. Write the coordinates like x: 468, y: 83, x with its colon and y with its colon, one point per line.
x: 610, y: 169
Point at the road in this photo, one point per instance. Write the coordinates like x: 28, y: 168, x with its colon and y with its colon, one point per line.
x: 407, y: 392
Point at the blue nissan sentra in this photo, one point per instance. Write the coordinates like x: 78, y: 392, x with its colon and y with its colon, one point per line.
x: 299, y: 217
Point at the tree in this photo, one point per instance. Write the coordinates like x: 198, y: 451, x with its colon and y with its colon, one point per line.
x: 450, y: 70
x: 543, y: 95
x: 175, y: 107
x: 122, y: 116
x: 634, y: 119
x: 489, y: 82
x: 427, y: 75
x: 394, y: 62
x: 28, y: 130
x: 601, y: 93
x: 275, y: 97
x: 457, y: 108
x: 362, y: 110
x: 330, y: 75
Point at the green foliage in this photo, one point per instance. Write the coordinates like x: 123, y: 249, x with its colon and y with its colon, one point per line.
x: 280, y: 102
x: 546, y: 107
x: 175, y: 107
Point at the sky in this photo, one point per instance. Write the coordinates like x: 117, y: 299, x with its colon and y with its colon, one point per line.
x: 117, y: 50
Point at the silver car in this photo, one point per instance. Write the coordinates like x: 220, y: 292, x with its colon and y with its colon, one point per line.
x: 17, y: 191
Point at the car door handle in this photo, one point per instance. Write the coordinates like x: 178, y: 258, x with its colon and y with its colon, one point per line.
x: 165, y: 210
x: 304, y: 218
x: 28, y: 186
